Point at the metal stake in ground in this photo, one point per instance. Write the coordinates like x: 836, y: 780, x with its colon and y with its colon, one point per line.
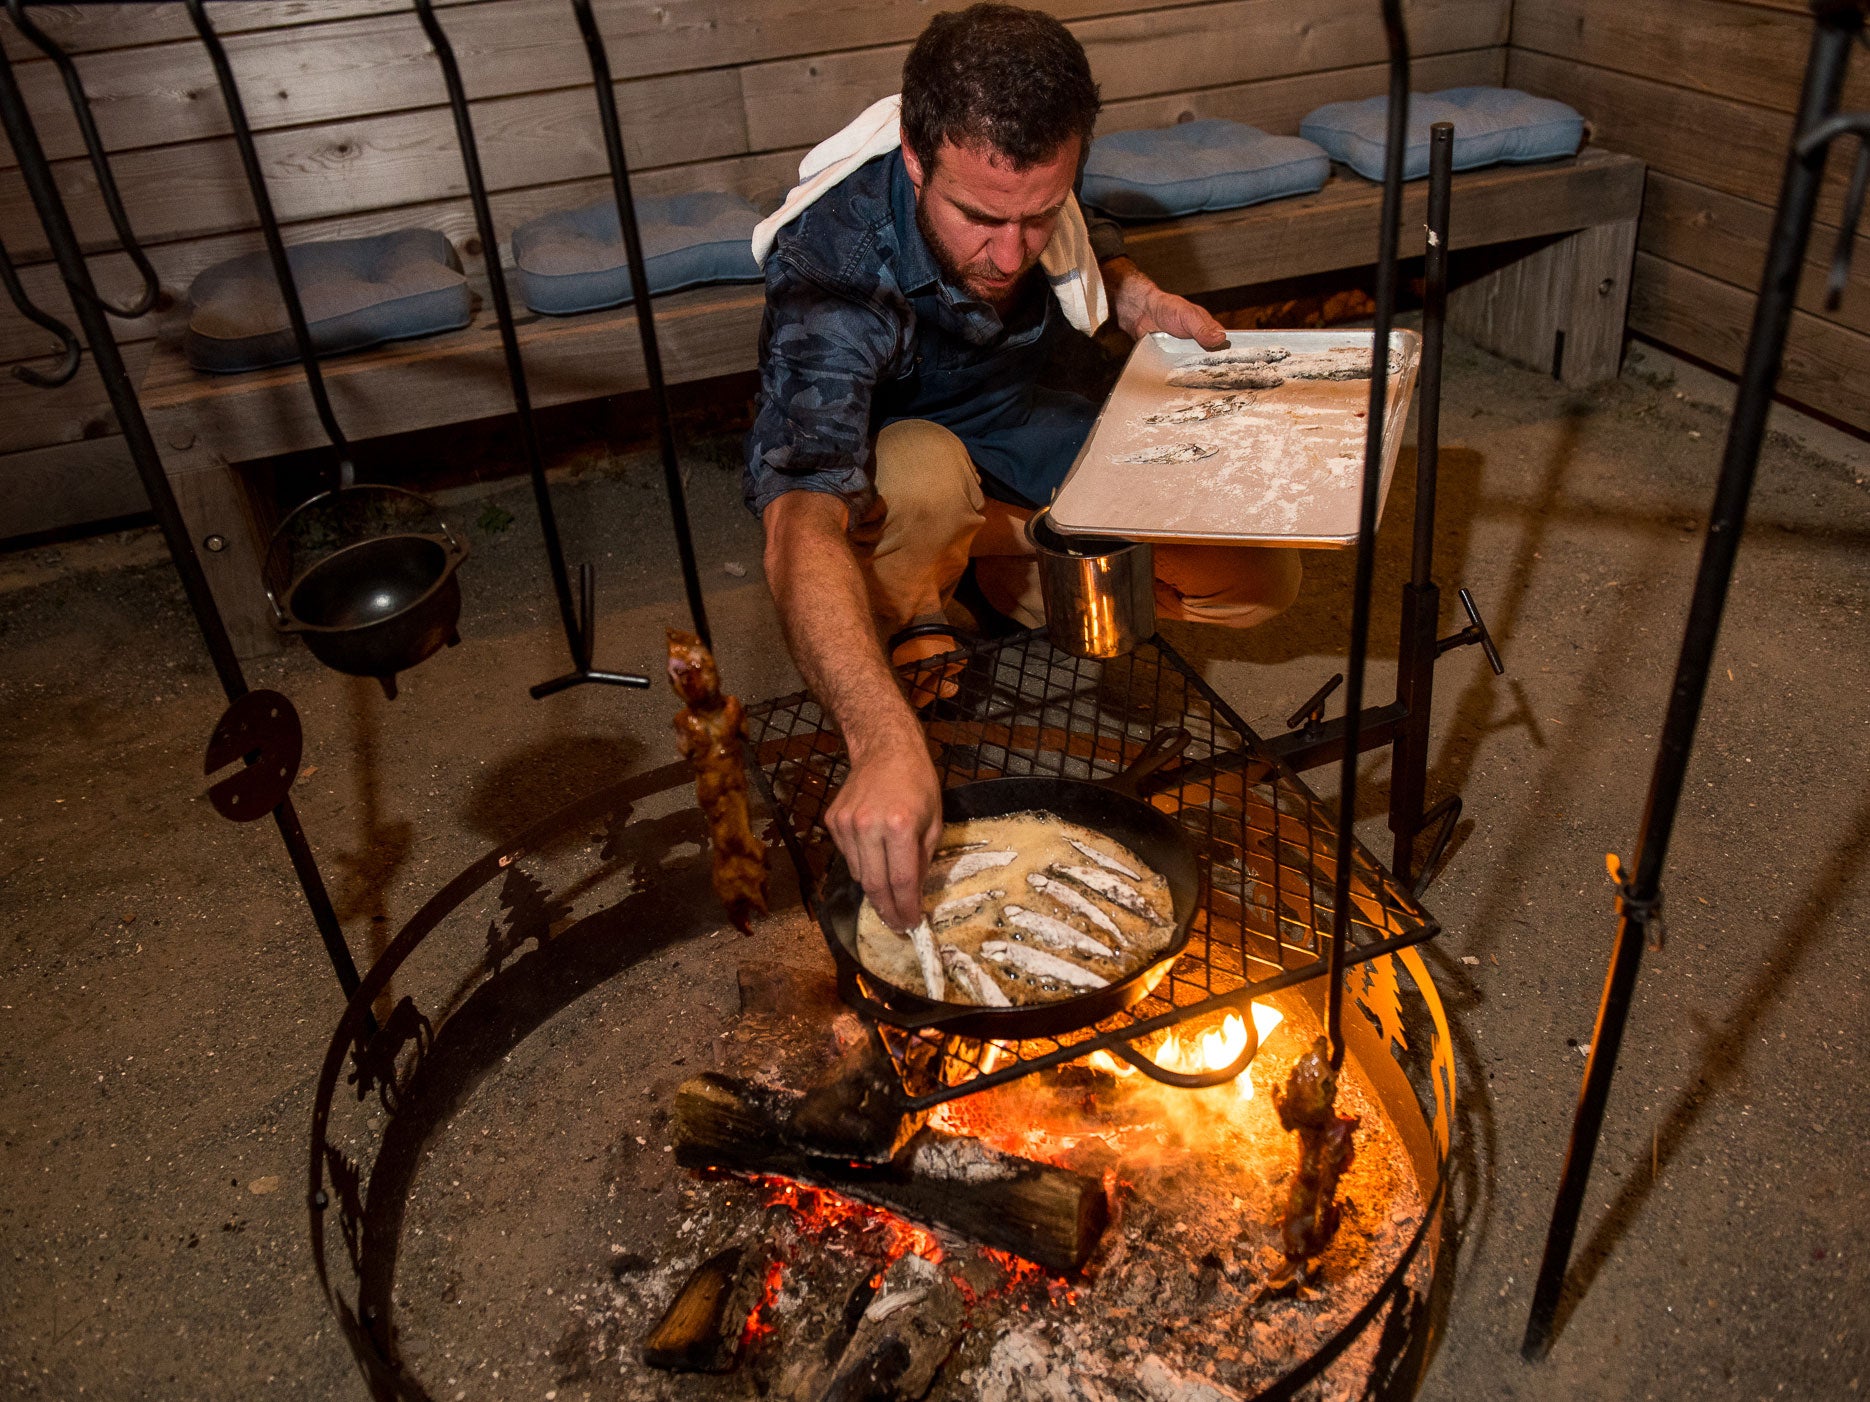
x: 1640, y: 899
x: 645, y: 315
x: 579, y: 629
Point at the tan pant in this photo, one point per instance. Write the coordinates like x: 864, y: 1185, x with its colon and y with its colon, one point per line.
x: 931, y: 517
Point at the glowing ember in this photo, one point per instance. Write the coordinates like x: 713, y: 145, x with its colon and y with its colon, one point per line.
x: 757, y: 1326
x: 819, y: 1210
x: 1209, y: 1050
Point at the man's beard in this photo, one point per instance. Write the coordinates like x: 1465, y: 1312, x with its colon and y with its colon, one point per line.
x: 962, y: 277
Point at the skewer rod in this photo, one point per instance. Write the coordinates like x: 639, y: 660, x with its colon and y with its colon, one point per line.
x: 1387, y: 238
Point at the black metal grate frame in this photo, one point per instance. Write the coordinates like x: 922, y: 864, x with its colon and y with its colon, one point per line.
x: 1265, y: 843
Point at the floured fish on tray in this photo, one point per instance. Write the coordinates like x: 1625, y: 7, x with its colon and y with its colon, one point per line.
x: 1173, y: 452
x: 1023, y: 909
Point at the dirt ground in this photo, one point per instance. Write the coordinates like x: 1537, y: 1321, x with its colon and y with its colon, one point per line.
x: 167, y: 1004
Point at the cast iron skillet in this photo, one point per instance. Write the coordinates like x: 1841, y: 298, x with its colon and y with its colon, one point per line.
x: 1108, y: 806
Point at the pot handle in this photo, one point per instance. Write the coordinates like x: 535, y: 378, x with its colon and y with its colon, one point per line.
x: 283, y: 622
x: 1163, y: 746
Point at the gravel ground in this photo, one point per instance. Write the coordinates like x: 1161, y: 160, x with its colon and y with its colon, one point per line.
x: 167, y: 1004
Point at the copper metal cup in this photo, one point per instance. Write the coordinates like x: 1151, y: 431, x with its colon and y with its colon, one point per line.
x: 1100, y: 592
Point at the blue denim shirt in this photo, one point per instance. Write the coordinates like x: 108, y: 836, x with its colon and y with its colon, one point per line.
x: 861, y: 329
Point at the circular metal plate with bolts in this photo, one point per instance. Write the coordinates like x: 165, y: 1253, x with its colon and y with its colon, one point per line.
x: 261, y: 729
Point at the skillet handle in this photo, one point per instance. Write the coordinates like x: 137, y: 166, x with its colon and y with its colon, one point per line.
x: 1163, y: 746
x: 1192, y: 1080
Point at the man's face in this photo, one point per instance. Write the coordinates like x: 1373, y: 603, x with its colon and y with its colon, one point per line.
x: 986, y: 222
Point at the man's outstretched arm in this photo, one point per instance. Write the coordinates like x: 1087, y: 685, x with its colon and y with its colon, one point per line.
x: 886, y: 819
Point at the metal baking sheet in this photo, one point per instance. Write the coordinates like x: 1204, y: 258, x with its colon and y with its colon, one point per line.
x: 1262, y: 443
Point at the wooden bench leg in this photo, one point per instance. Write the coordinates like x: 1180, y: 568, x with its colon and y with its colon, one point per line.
x: 218, y: 506
x: 1559, y: 308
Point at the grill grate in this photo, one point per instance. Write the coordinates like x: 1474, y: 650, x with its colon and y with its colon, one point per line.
x: 1266, y: 845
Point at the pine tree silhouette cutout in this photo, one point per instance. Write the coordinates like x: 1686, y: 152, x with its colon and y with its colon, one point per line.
x: 531, y: 912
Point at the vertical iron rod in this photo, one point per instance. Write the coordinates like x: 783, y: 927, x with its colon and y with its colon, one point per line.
x: 1387, y: 237
x: 43, y: 189
x: 503, y: 314
x: 1421, y: 599
x: 1836, y: 30
x: 645, y: 316
x: 275, y: 242
x: 1434, y: 323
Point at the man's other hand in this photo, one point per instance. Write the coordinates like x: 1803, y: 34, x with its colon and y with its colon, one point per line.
x: 1142, y: 307
x: 886, y: 821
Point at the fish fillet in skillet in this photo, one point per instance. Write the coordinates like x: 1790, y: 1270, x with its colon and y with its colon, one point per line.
x: 1023, y: 909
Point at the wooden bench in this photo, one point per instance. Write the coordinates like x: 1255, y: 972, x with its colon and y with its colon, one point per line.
x: 1557, y: 242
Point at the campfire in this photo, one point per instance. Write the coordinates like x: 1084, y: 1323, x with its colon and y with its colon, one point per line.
x: 1071, y: 1235
x: 836, y: 1205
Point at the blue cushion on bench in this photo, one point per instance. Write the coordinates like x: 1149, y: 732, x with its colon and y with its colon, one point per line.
x: 1196, y: 166
x: 573, y: 260
x: 356, y: 293
x: 1491, y: 126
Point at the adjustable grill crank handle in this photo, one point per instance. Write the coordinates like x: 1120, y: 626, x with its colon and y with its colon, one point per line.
x: 1475, y: 632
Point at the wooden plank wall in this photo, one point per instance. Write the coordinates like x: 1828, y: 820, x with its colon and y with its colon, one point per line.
x: 722, y: 94
x: 1704, y: 91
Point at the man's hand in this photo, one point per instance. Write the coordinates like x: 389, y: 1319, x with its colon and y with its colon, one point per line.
x: 1142, y: 307
x: 886, y: 821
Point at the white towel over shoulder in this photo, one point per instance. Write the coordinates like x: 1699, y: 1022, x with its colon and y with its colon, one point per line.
x: 1069, y: 264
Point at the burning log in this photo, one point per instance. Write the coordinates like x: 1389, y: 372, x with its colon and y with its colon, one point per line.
x: 1325, y: 1150
x: 1047, y: 1215
x: 702, y: 1329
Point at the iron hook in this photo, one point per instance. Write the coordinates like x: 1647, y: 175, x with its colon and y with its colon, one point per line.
x: 100, y: 163
x: 1847, y: 226
x: 68, y: 365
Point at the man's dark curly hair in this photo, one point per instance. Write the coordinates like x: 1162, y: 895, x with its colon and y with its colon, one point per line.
x: 1011, y: 79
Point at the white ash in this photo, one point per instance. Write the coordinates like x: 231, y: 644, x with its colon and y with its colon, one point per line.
x: 1023, y: 1367
x: 960, y: 1161
x: 1161, y: 1383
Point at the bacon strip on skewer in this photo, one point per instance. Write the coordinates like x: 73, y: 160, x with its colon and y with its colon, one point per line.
x: 711, y: 731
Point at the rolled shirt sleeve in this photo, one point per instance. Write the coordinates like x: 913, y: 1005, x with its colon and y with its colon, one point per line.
x: 822, y: 355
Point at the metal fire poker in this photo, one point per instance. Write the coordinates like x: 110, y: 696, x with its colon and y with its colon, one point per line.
x: 1839, y: 24
x: 50, y: 205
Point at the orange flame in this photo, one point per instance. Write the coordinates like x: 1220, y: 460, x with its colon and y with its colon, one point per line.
x: 1208, y: 1050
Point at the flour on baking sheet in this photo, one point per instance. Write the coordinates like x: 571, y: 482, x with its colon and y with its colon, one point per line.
x: 1191, y: 444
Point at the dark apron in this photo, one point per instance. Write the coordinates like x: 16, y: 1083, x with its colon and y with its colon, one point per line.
x: 1022, y: 437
